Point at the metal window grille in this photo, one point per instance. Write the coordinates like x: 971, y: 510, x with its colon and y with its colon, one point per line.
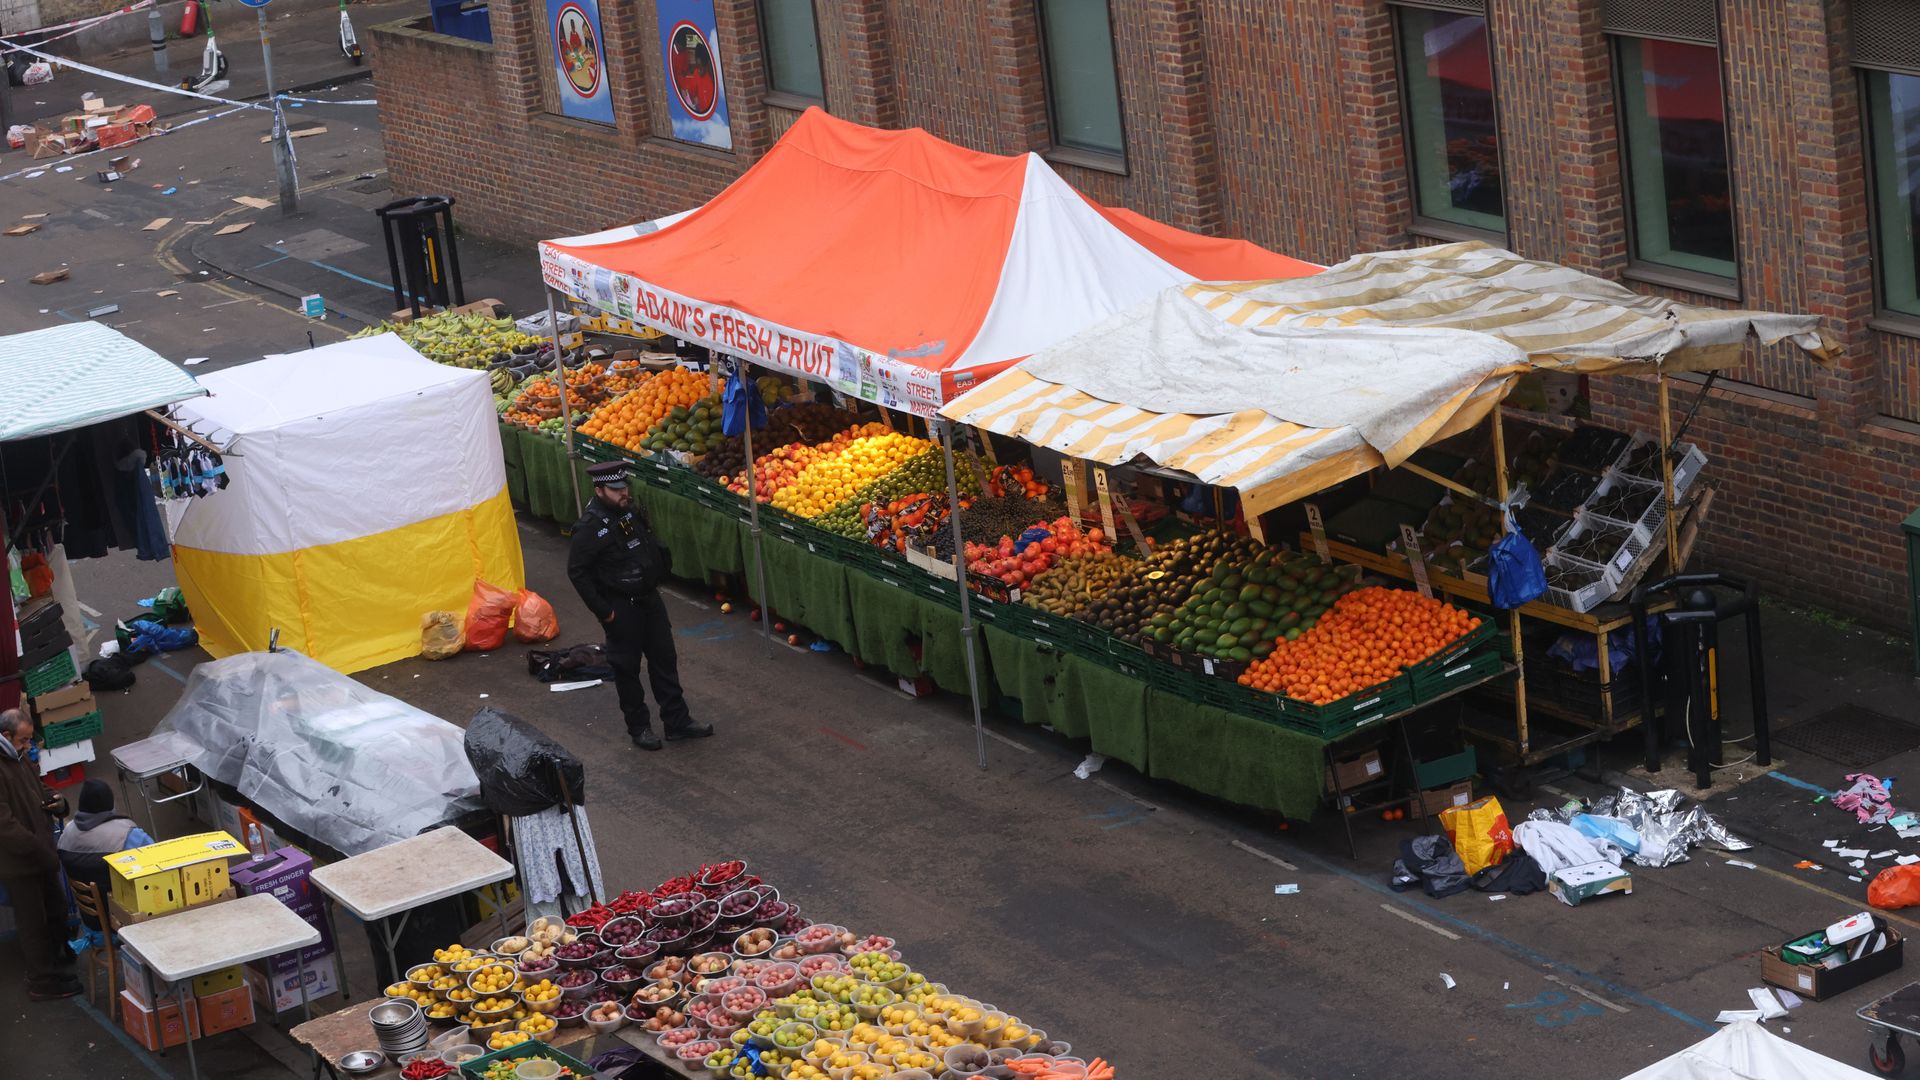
x: 1696, y: 21
x: 1886, y: 35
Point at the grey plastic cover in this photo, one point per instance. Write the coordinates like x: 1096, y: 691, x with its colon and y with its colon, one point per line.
x: 346, y: 765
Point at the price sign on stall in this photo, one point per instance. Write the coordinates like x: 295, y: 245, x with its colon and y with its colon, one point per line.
x: 1070, y: 475
x: 1319, y: 530
x: 1410, y: 540
x: 1106, y: 503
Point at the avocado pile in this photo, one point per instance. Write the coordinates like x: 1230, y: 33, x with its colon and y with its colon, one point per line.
x: 1242, y: 608
x: 1160, y: 584
x: 694, y: 430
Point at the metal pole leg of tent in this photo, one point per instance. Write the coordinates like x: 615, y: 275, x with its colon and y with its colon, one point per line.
x: 1521, y: 735
x: 566, y: 413
x: 753, y: 513
x: 1666, y: 476
x: 960, y: 579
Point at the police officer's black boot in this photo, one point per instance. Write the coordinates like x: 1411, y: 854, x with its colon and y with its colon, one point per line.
x: 647, y: 739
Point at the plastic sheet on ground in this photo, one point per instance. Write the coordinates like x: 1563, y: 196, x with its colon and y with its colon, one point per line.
x: 1666, y: 830
x: 348, y: 766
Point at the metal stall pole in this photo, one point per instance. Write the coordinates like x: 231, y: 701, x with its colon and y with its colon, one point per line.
x: 1666, y: 474
x: 1513, y: 617
x: 753, y: 513
x: 587, y: 863
x: 960, y: 579
x: 566, y: 412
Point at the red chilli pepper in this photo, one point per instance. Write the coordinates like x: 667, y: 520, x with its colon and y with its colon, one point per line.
x: 425, y: 1070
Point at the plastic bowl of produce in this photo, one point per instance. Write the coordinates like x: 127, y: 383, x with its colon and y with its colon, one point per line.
x: 620, y: 976
x: 660, y: 992
x: 537, y: 966
x: 582, y: 953
x: 674, y: 910
x: 697, y: 1051
x: 461, y: 1053
x: 821, y: 964
x: 779, y: 979
x: 754, y: 943
x: 543, y: 1005
x: 967, y: 1058
x: 870, y: 998
x: 710, y: 965
x: 421, y: 976
x: 605, y: 1018
x: 624, y: 930
x: 819, y: 938
x: 669, y: 967
x: 638, y: 953
x: 772, y: 913
x: 512, y: 946
x: 722, y: 874
x: 577, y: 983
x: 742, y: 1002
x: 675, y: 1038
x: 569, y: 1012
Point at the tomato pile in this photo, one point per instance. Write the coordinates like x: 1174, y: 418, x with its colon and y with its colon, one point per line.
x: 1018, y: 561
x: 1368, y: 637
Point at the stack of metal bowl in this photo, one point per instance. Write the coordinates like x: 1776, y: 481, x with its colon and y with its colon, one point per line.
x: 400, y: 1026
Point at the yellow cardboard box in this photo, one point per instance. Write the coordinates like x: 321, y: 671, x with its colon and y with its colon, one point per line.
x: 173, y: 873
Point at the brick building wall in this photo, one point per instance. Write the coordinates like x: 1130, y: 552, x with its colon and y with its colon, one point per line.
x: 1281, y: 121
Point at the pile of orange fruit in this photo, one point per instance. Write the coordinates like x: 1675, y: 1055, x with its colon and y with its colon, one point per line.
x: 1368, y: 637
x: 625, y: 421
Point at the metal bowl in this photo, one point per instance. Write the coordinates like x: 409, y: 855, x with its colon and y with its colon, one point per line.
x: 360, y: 1062
x: 396, y: 1013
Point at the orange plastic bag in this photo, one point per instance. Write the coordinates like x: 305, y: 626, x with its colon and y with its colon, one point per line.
x: 1479, y: 832
x: 533, y: 618
x: 1895, y: 887
x: 487, y: 617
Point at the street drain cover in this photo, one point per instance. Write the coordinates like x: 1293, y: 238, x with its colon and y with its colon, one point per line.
x: 1852, y: 736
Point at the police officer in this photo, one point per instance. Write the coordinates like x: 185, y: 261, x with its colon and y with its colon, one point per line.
x: 616, y: 565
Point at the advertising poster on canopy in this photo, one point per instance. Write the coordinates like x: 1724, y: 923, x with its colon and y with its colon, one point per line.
x: 696, y: 96
x: 579, y: 60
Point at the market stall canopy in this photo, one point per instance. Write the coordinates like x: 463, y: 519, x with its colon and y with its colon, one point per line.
x: 1283, y: 388
x: 890, y: 263
x: 1743, y: 1050
x: 345, y: 764
x: 367, y: 489
x: 66, y: 377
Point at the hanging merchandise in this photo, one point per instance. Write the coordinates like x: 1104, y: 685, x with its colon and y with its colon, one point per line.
x: 742, y: 404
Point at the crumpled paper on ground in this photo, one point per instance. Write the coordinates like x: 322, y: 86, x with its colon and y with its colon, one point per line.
x: 1867, y: 799
x: 1666, y: 831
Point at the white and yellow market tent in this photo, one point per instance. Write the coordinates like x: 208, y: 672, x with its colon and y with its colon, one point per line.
x: 1283, y: 388
x: 367, y: 488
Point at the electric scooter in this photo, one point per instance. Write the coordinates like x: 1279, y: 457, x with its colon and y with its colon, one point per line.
x: 213, y: 64
x: 349, y: 44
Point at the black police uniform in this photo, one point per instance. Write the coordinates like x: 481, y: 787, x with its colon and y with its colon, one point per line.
x: 616, y: 565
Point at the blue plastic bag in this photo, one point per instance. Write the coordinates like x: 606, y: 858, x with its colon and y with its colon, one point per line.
x: 1611, y: 829
x: 1514, y: 573
x: 742, y: 404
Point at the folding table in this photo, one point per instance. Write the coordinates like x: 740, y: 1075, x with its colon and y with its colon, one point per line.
x: 395, y: 879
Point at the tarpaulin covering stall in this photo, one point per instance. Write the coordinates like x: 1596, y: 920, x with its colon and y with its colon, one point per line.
x: 890, y: 264
x: 346, y: 765
x: 367, y: 488
x: 1283, y: 388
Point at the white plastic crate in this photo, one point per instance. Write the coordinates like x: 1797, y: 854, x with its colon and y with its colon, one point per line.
x: 1690, y: 461
x: 1634, y: 541
x: 1649, y: 521
x: 1586, y: 597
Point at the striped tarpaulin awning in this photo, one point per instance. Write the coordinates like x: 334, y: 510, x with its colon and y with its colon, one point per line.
x: 66, y: 377
x: 1551, y: 317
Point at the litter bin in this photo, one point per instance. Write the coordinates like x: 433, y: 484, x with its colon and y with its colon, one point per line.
x: 1911, y: 527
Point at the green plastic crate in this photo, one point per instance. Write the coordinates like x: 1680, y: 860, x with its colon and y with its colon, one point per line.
x: 1447, y: 770
x: 70, y: 731
x: 1353, y: 711
x: 51, y: 674
x: 1465, y: 670
x: 1456, y: 649
x: 477, y: 1068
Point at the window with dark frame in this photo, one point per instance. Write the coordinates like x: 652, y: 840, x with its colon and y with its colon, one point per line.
x: 1673, y: 134
x: 792, y: 35
x: 1886, y: 49
x: 1083, y: 85
x: 1453, y: 140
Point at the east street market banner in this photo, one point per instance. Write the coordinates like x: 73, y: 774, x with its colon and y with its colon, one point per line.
x: 579, y: 61
x: 696, y: 95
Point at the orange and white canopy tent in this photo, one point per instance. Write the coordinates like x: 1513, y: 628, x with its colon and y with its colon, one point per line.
x: 891, y: 264
x: 1283, y: 388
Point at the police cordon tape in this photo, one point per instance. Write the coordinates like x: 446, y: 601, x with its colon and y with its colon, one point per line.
x: 174, y: 90
x: 77, y: 26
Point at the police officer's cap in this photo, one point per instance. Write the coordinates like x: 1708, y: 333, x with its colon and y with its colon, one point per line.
x: 608, y: 474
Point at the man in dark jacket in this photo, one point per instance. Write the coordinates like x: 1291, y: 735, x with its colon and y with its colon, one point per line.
x: 616, y: 565
x: 97, y: 831
x: 30, y: 867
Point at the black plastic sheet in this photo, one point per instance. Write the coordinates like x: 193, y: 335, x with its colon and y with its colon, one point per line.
x: 520, y: 769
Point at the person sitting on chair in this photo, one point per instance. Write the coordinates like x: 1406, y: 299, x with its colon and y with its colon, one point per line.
x: 97, y: 831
